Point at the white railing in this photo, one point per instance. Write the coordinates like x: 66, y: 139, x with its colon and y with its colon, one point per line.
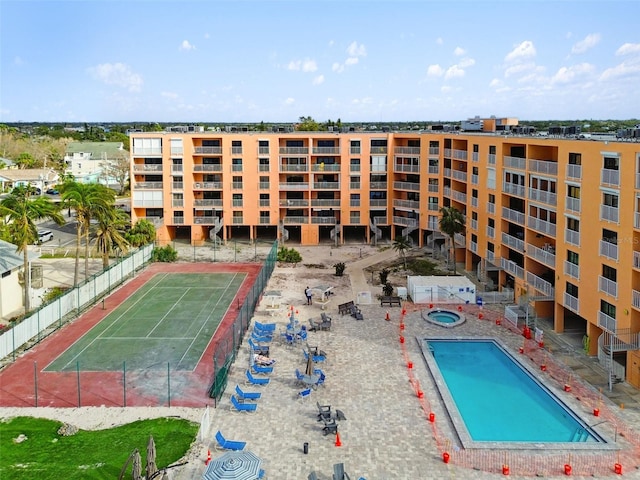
x: 545, y: 256
x: 141, y: 151
x: 512, y: 215
x: 574, y: 171
x: 543, y: 166
x: 514, y: 162
x: 474, y: 179
x: 491, y: 232
x: 572, y: 204
x: 542, y: 226
x: 607, y: 322
x: 610, y: 177
x: 572, y: 269
x: 459, y: 175
x: 636, y: 260
x: 609, y: 250
x: 608, y: 286
x: 572, y: 237
x: 609, y: 213
x: 473, y: 246
x: 406, y: 150
x: 460, y: 154
x: 540, y: 284
x: 406, y: 186
x: 512, y: 267
x: 403, y: 167
x: 433, y: 169
x: 543, y: 196
x: 460, y: 239
x: 636, y: 220
x: 513, y: 189
x: 571, y: 302
x: 635, y: 299
x: 491, y: 158
x: 491, y: 208
x: 207, y: 167
x: 294, y: 186
x: 208, y: 150
x: 474, y: 224
x: 512, y: 242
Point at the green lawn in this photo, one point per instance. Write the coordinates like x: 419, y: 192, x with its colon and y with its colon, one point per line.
x: 100, y: 454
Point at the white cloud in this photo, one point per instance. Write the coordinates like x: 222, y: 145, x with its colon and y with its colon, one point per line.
x: 446, y: 89
x: 459, y: 51
x: 319, y: 80
x: 170, y: 95
x: 628, y: 49
x: 466, y: 63
x: 435, y: 71
x: 524, y: 50
x: 351, y: 61
x: 519, y: 69
x: 569, y: 74
x: 117, y: 74
x: 337, y: 67
x: 622, y: 70
x: 356, y: 50
x: 289, y: 101
x: 185, y: 45
x: 454, y: 71
x: 587, y: 43
x: 302, y: 65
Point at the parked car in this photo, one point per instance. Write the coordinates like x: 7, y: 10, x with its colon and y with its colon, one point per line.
x: 44, y: 236
x: 52, y: 191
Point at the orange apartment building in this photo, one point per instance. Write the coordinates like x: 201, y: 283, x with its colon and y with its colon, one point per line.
x: 557, y: 220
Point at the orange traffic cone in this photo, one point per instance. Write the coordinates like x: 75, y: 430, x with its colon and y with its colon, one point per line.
x: 387, y: 318
x: 338, y: 442
x: 208, y: 457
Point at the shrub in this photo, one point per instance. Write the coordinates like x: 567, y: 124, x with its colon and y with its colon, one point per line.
x: 387, y: 289
x: 53, y: 293
x: 384, y: 275
x: 289, y: 255
x: 340, y: 267
x: 164, y: 254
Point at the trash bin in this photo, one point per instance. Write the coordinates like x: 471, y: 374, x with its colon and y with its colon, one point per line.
x: 305, y: 448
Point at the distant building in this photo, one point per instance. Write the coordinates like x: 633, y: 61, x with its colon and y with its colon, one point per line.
x: 40, y: 178
x: 489, y: 125
x: 6, y: 163
x: 88, y: 161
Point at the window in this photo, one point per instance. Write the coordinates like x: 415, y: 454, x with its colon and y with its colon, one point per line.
x: 573, y: 191
x: 491, y: 178
x: 610, y: 199
x: 355, y: 200
x: 237, y: 199
x: 355, y: 164
x: 610, y: 236
x: 236, y: 164
x: 575, y: 159
x: 492, y: 198
x: 378, y: 163
x: 573, y: 257
x: 609, y: 273
x: 476, y: 148
x: 474, y: 193
x: 573, y: 224
x: 572, y: 289
x: 264, y: 199
x: 492, y: 150
x: 263, y: 164
x: 611, y: 163
x: 608, y: 309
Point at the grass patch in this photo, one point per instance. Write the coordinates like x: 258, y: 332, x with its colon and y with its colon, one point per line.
x: 99, y: 454
x: 422, y: 267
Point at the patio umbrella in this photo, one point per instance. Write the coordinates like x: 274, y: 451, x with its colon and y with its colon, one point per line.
x: 309, y: 370
x: 151, y: 457
x: 136, y: 470
x: 240, y: 465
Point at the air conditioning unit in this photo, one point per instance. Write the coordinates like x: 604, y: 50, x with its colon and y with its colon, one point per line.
x: 198, y: 185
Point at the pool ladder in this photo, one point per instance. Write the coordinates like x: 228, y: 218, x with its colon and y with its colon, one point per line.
x: 580, y: 435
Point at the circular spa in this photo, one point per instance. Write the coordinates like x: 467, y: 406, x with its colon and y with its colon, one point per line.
x: 444, y: 318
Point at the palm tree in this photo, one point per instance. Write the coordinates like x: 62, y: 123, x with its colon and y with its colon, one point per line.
x: 110, y: 233
x: 89, y: 200
x: 451, y: 222
x: 21, y: 212
x: 142, y: 233
x: 401, y: 245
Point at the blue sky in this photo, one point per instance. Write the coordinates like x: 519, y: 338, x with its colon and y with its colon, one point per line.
x: 275, y: 61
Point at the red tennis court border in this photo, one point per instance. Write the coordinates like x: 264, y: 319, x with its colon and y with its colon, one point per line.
x: 25, y: 384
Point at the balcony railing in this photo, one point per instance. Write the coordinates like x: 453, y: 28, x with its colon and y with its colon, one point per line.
x: 207, y: 167
x: 491, y: 158
x: 491, y: 209
x: 405, y: 221
x: 147, y: 152
x: 574, y: 171
x: 636, y: 260
x: 543, y: 196
x: 513, y: 242
x: 491, y: 232
x: 325, y: 167
x: 318, y: 202
x: 460, y: 239
x: 543, y: 166
x: 490, y: 256
x: 434, y: 150
x: 294, y: 167
x: 264, y: 185
x: 354, y: 167
x: 403, y: 167
x: 608, y: 286
x: 410, y: 204
x: 474, y: 224
x: 326, y: 185
x: 474, y: 202
x: 459, y: 196
x: 433, y: 207
x: 512, y: 267
x: 514, y: 162
x: 609, y: 250
x: 378, y: 185
x: 635, y: 299
x: 237, y: 185
x: 473, y: 246
x: 149, y: 185
x: 546, y: 256
x: 238, y: 220
x: 460, y: 154
x: 293, y: 202
x: 542, y: 225
x: 609, y: 213
x: 263, y: 150
x: 325, y: 150
x: 378, y: 202
x: 459, y: 175
x: 379, y: 150
x: 636, y: 220
x: 354, y: 150
x: 294, y: 150
x: 294, y: 186
x: 264, y: 167
x: 541, y: 285
x: 607, y: 322
x: 236, y: 150
x: 205, y: 220
x: 176, y: 168
x: 237, y: 202
x: 572, y: 237
x: 447, y: 172
x: 433, y: 169
x: 610, y: 177
x: 177, y: 185
x: 355, y: 185
x: 572, y: 270
x: 433, y: 187
x: 354, y: 202
x: 513, y: 189
x: 354, y: 220
x: 147, y: 167
x: 406, y: 150
x: 324, y: 220
x: 265, y: 220
x: 474, y: 179
x: 177, y: 221
x: 177, y: 203
x: 572, y: 204
x: 475, y: 157
x: 571, y: 302
x: 208, y: 202
x: 296, y: 220
x: 208, y: 150
x: 406, y: 186
x: 207, y: 186
x: 512, y: 215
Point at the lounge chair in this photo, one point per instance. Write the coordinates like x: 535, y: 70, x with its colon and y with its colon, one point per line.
x: 265, y: 327
x: 319, y: 358
x: 339, y: 473
x: 324, y: 412
x: 260, y: 338
x: 313, y: 476
x: 330, y: 426
x: 256, y: 381
x: 259, y: 349
x: 304, y: 393
x: 242, y: 395
x: 299, y: 376
x: 242, y: 407
x: 261, y: 369
x: 228, y: 444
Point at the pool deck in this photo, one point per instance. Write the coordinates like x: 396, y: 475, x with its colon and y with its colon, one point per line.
x: 387, y: 434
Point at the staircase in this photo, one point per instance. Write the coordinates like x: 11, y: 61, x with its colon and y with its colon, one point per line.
x: 335, y: 233
x: 407, y: 230
x: 284, y: 233
x: 213, y: 233
x: 377, y: 232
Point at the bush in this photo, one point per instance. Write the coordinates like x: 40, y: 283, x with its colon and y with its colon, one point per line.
x: 53, y: 293
x: 164, y: 254
x: 384, y: 275
x: 289, y: 255
x: 387, y: 289
x: 340, y: 267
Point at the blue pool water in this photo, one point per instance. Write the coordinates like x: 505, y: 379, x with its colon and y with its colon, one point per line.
x: 443, y: 316
x: 498, y: 400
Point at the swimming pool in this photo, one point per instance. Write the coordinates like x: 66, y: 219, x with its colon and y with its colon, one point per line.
x: 444, y: 318
x: 493, y: 400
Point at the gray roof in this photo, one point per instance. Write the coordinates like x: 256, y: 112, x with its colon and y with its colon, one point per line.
x: 9, y: 258
x: 96, y: 149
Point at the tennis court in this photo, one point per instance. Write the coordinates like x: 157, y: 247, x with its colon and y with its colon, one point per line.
x: 170, y: 320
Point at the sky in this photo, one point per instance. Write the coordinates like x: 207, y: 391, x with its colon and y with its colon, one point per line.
x: 354, y: 60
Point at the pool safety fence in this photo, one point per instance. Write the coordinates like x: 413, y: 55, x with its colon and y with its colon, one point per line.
x: 589, y: 463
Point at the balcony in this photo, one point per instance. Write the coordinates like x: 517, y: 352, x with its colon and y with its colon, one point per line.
x: 513, y: 189
x: 433, y: 226
x: 354, y: 202
x: 147, y: 152
x: 636, y: 220
x: 238, y: 220
x: 325, y: 150
x: 474, y: 179
x: 293, y: 167
x: 543, y: 196
x: 514, y: 162
x: 572, y: 270
x: 317, y: 202
x: 609, y: 213
x: 572, y: 204
x: 354, y: 167
x: 543, y: 166
x: 491, y: 158
x: 447, y: 172
x: 540, y: 284
x: 610, y: 177
x: 408, y: 204
x: 177, y: 221
x: 264, y: 167
x: 513, y: 242
x: 237, y: 203
x: 574, y: 172
x: 379, y: 186
x: 474, y: 202
x: 296, y: 220
x: 378, y: 150
x: 265, y: 220
x: 263, y: 150
x: 636, y: 260
x: 236, y: 168
x: 176, y: 168
x: 474, y: 224
x: 380, y: 221
x: 512, y: 267
x: 407, y: 168
x: 355, y: 185
x: 512, y: 215
x: 406, y: 151
x: 176, y: 151
x: 207, y: 186
x: 635, y: 299
x: 207, y: 203
x: 414, y: 187
x: 491, y: 209
x: 293, y: 203
x: 177, y: 185
x: 433, y: 169
x: 572, y: 237
x: 207, y: 150
x: 326, y: 185
x: 608, y: 323
x: 294, y: 186
x: 354, y: 220
x: 405, y: 221
x: 491, y: 256
x: 207, y: 167
x: 378, y: 202
x: 147, y: 167
x: 433, y: 207
x: 148, y: 185
x: 325, y: 167
x: 205, y: 220
x: 264, y: 185
x: 324, y: 220
x: 177, y: 203
x: 294, y: 150
x: 354, y: 150
x: 608, y: 286
x: 475, y: 157
x: 263, y: 202
x: 473, y: 247
x: 491, y: 232
x: 571, y: 302
x: 237, y: 185
x: 459, y: 196
x: 434, y: 151
x: 546, y: 256
x: 459, y: 175
x: 460, y: 155
x: 609, y: 250
x: 460, y: 239
x: 433, y: 188
x: 542, y: 226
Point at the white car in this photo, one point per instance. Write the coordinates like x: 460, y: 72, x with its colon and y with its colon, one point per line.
x: 44, y: 236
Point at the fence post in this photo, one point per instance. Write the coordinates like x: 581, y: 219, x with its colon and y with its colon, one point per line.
x: 168, y: 385
x: 78, y: 380
x: 124, y: 383
x: 35, y: 381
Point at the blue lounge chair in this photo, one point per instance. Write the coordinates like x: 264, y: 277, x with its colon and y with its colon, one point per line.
x: 229, y: 444
x: 265, y: 327
x: 256, y: 381
x: 242, y: 395
x: 243, y: 407
x: 304, y: 393
x: 260, y: 338
x: 261, y: 369
x: 319, y: 358
x: 259, y: 349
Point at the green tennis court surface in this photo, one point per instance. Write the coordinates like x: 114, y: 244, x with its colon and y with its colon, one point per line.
x: 170, y: 320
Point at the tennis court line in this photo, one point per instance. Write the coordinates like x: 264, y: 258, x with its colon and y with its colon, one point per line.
x: 100, y: 335
x: 175, y: 304
x: 206, y: 321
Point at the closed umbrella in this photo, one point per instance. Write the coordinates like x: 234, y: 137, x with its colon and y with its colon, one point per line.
x: 151, y: 457
x: 240, y: 465
x: 136, y: 470
x: 309, y: 370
